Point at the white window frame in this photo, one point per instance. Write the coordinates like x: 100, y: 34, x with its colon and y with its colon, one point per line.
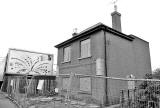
x: 67, y: 54
x: 85, y: 48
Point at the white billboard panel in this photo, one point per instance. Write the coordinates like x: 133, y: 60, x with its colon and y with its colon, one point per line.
x: 27, y: 62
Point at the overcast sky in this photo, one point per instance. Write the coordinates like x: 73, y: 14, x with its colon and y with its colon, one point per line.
x: 38, y: 25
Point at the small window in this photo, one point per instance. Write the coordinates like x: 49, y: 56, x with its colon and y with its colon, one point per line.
x: 67, y: 54
x: 85, y: 50
x: 85, y: 84
x: 65, y: 83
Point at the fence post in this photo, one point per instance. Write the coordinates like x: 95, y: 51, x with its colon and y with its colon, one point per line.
x: 69, y: 89
x: 129, y: 98
x: 122, y: 98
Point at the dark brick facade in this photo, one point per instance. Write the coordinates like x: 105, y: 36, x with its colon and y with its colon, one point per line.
x: 121, y: 55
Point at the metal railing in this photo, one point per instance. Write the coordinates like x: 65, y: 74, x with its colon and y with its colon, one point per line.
x: 111, y: 91
x: 82, y: 91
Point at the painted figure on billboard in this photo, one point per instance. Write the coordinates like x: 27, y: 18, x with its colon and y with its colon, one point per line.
x: 25, y: 62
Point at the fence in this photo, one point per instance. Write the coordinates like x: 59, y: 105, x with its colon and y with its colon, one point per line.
x: 23, y: 88
x: 83, y: 91
x: 89, y: 90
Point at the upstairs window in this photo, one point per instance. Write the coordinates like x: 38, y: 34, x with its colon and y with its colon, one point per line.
x: 67, y: 54
x: 85, y: 50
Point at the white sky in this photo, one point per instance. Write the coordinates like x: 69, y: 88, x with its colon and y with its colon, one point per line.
x: 38, y: 25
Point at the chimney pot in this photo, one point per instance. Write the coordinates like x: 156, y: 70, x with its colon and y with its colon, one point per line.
x: 74, y: 32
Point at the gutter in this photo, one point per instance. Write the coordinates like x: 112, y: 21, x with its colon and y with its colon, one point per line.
x: 95, y: 29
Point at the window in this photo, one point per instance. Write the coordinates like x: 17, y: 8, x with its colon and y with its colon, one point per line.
x: 67, y: 54
x: 65, y: 83
x: 85, y: 48
x: 85, y: 84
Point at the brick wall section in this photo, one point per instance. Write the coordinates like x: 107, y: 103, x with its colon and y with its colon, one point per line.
x: 125, y: 58
x: 87, y: 65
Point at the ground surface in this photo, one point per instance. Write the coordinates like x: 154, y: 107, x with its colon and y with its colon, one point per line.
x: 41, y: 102
x: 6, y: 103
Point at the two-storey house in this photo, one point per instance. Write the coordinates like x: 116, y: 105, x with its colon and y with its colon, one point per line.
x: 106, y: 51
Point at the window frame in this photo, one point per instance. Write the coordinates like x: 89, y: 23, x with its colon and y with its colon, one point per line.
x: 65, y: 85
x: 65, y: 61
x: 80, y: 48
x: 81, y: 86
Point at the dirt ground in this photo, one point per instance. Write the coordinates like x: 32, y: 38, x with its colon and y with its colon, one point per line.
x: 6, y: 102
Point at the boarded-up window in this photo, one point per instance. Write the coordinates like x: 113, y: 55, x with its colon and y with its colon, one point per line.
x: 85, y: 84
x: 67, y: 54
x: 65, y: 83
x: 99, y: 66
x: 85, y: 48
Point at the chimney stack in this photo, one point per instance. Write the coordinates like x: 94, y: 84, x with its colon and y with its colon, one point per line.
x: 116, y: 19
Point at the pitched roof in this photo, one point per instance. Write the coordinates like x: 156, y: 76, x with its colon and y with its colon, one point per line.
x: 95, y: 28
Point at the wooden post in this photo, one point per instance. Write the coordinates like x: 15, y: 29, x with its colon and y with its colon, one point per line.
x: 69, y: 89
x: 122, y: 98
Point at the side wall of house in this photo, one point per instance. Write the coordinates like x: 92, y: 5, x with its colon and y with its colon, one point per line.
x: 142, y: 57
x: 124, y: 58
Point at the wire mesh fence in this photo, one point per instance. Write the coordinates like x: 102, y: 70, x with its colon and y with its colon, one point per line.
x: 82, y: 91
x: 110, y: 91
x: 28, y: 90
x: 134, y: 93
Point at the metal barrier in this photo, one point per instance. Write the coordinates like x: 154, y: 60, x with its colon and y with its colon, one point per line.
x: 135, y: 93
x: 24, y: 89
x: 14, y: 87
x: 113, y: 92
x: 82, y: 91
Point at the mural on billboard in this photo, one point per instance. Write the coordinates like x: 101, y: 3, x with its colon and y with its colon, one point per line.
x: 26, y: 62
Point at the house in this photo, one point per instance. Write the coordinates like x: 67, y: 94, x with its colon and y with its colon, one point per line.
x: 105, y: 51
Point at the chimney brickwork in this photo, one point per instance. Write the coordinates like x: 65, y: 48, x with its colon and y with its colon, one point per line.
x: 116, y: 21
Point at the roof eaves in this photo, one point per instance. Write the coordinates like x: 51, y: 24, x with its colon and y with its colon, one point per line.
x: 94, y: 28
x: 120, y: 34
x: 138, y: 38
x: 82, y: 34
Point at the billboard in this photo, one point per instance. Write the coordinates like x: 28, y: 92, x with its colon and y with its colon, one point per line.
x: 28, y: 62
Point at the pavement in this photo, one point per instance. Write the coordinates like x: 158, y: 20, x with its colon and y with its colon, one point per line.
x: 5, y: 102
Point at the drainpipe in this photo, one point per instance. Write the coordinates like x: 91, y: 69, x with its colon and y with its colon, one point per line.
x: 105, y: 67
